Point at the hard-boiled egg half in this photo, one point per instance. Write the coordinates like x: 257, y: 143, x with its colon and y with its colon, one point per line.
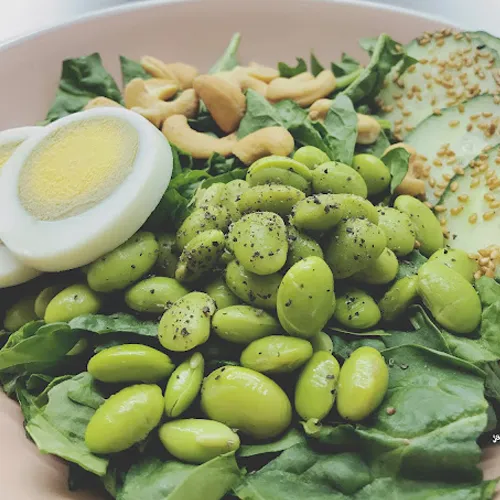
x: 12, y: 270
x: 82, y: 187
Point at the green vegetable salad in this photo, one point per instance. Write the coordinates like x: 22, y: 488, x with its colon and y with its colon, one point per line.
x: 261, y: 283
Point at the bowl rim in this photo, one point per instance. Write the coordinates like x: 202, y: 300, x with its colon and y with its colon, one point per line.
x: 142, y: 5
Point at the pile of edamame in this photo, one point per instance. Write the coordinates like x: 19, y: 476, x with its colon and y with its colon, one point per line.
x: 266, y: 263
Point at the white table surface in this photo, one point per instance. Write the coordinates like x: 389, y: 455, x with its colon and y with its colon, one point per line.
x: 18, y: 17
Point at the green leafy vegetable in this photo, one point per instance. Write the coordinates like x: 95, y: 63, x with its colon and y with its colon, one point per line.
x: 82, y: 79
x: 289, y: 71
x: 291, y: 438
x: 397, y: 160
x: 132, y: 69
x: 377, y: 148
x: 410, y: 264
x: 290, y: 113
x: 119, y: 322
x: 346, y: 66
x: 346, y: 80
x: 157, y: 479
x: 59, y: 427
x: 260, y: 113
x: 229, y: 59
x: 386, y: 54
x: 316, y: 66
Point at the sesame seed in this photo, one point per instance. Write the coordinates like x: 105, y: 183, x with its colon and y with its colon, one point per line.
x: 432, y: 182
x: 456, y: 210
x: 488, y: 215
x: 437, y: 163
x: 437, y: 111
x: 494, y: 204
x: 463, y: 198
x: 428, y: 204
x: 487, y: 114
x: 459, y: 170
x: 478, y: 274
x: 472, y: 218
x: 454, y: 123
x: 440, y: 208
x: 454, y: 187
x: 474, y: 183
x: 474, y: 117
x: 469, y: 127
x: 490, y: 273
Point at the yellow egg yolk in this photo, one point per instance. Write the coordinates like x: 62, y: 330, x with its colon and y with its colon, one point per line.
x: 6, y: 151
x: 76, y: 167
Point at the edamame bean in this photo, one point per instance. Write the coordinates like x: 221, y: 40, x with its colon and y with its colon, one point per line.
x: 458, y: 260
x: 130, y: 363
x: 200, y: 255
x: 184, y: 385
x: 234, y: 189
x: 363, y: 382
x: 398, y: 229
x: 20, y: 313
x: 202, y: 219
x: 124, y: 419
x: 398, y: 298
x: 221, y: 294
x: 259, y: 291
x: 353, y: 206
x: 246, y: 400
x: 310, y: 156
x: 306, y: 298
x: 356, y: 309
x: 153, y: 295
x: 322, y: 342
x: 451, y: 299
x: 279, y: 170
x: 301, y: 246
x: 427, y: 228
x: 71, y: 302
x: 196, y: 440
x: 373, y: 170
x: 276, y: 354
x: 44, y: 297
x: 215, y: 194
x: 354, y: 245
x: 336, y: 177
x: 259, y: 242
x: 382, y: 271
x: 315, y: 389
x: 187, y: 323
x: 168, y: 255
x: 124, y: 265
x: 319, y: 212
x: 270, y: 198
x: 244, y: 324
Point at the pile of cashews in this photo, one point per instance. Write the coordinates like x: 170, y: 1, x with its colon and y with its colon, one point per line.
x: 173, y: 95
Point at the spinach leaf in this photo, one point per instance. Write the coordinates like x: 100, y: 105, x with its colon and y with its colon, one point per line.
x: 346, y: 80
x: 316, y: 66
x: 157, y: 479
x: 346, y: 66
x: 237, y: 173
x: 386, y: 54
x: 397, y: 160
x: 310, y: 133
x: 119, y: 322
x: 260, y: 113
x: 82, y: 79
x: 291, y: 438
x: 289, y: 71
x: 229, y: 58
x: 132, y: 69
x: 290, y: 113
x: 377, y: 148
x: 410, y: 264
x: 217, y: 164
x: 59, y: 427
x: 368, y: 44
x: 49, y: 343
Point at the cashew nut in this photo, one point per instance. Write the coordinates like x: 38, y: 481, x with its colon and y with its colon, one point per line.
x: 183, y: 74
x: 146, y: 93
x: 101, y: 102
x: 368, y: 129
x: 319, y: 109
x: 177, y: 130
x: 186, y: 104
x: 264, y: 142
x: 240, y: 76
x: 304, y: 93
x: 223, y: 99
x: 263, y: 73
x: 303, y: 77
x: 411, y: 184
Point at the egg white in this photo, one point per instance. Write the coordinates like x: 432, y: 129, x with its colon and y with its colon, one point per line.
x: 76, y: 240
x: 12, y: 270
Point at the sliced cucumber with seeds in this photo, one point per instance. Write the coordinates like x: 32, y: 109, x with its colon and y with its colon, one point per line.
x: 487, y: 39
x: 451, y: 70
x: 472, y: 204
x: 451, y: 140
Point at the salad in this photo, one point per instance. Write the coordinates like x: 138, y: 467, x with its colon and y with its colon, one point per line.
x: 261, y: 283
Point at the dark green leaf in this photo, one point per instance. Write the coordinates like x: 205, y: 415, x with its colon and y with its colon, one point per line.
x: 291, y: 438
x: 217, y: 164
x: 260, y: 113
x: 156, y: 479
x: 368, y: 44
x: 316, y: 66
x: 237, y: 173
x: 397, y: 160
x: 410, y: 264
x: 229, y: 58
x: 59, y: 428
x: 307, y: 134
x: 82, y: 79
x: 344, y: 81
x: 132, y: 69
x: 346, y: 66
x: 289, y: 71
x: 386, y: 54
x: 377, y: 148
x: 119, y: 322
x: 290, y: 113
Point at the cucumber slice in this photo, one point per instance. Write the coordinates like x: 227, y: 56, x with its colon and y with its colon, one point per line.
x: 487, y: 39
x: 474, y: 223
x: 451, y: 140
x: 451, y: 70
